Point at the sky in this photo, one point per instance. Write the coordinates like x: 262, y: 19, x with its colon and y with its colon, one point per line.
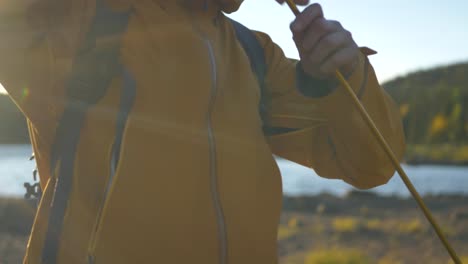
x: 409, y: 35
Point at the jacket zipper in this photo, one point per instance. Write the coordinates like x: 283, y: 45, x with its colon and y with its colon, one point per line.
x: 222, y: 234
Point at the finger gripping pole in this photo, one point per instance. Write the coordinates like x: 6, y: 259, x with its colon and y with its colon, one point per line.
x: 390, y: 154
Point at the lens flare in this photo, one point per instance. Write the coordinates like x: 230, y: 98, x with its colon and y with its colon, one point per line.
x: 24, y: 94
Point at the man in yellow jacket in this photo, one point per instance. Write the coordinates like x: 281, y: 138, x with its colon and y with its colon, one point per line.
x: 177, y: 168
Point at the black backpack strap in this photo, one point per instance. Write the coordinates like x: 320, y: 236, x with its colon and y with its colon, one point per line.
x: 256, y: 54
x: 91, y: 75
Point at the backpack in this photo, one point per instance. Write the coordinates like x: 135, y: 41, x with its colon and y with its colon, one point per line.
x: 91, y: 74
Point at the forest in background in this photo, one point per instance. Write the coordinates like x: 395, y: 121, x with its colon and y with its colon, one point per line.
x: 434, y: 107
x: 433, y: 104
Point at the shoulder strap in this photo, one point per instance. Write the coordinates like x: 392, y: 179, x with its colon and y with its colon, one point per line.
x: 91, y: 74
x: 256, y: 54
x: 253, y: 49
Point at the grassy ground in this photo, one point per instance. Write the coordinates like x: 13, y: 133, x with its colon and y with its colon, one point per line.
x: 363, y: 228
x: 359, y: 228
x: 16, y: 216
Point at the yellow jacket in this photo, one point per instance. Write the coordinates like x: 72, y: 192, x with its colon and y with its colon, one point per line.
x: 196, y: 181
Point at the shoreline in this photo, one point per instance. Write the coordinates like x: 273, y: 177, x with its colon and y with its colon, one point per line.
x: 348, y: 203
x: 424, y: 161
x: 410, y: 158
x: 354, y: 194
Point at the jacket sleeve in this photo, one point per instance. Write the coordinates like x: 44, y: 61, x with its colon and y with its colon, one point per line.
x: 34, y: 61
x: 27, y: 60
x: 329, y: 134
x: 38, y: 42
x: 25, y: 67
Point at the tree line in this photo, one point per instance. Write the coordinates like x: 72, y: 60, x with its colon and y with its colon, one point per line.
x: 433, y: 104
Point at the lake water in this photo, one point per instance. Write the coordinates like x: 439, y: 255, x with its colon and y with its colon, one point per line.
x: 15, y: 169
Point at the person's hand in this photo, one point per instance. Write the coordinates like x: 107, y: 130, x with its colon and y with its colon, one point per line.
x: 324, y: 45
